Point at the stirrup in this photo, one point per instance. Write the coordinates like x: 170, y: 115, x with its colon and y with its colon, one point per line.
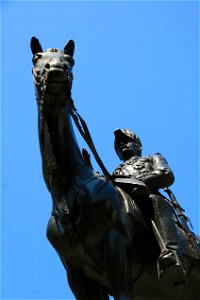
x: 170, y: 268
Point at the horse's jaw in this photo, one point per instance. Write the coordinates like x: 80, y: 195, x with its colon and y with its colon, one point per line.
x: 58, y: 89
x: 53, y: 95
x: 53, y: 87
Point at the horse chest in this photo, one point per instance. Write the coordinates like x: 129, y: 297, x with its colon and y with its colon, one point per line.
x: 62, y: 238
x: 73, y: 251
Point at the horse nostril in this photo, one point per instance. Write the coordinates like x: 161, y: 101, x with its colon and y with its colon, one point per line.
x: 47, y: 66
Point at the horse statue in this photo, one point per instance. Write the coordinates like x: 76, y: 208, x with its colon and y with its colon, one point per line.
x: 95, y: 227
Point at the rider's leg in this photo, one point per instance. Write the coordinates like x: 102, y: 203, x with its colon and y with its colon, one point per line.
x: 170, y: 258
x: 116, y: 265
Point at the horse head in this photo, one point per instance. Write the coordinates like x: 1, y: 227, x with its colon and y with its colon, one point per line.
x: 52, y: 72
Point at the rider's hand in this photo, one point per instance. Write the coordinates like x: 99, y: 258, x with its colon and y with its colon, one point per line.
x: 140, y: 192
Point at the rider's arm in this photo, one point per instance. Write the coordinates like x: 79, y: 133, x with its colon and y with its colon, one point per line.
x: 161, y: 176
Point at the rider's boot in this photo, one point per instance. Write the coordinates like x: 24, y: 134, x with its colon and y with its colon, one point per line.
x: 170, y: 267
x: 170, y: 261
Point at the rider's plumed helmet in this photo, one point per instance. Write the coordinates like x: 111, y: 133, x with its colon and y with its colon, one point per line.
x: 125, y: 135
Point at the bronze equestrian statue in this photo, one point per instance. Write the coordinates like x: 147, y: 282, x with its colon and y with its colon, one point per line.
x: 115, y: 235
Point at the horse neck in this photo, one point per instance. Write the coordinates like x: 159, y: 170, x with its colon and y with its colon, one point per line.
x: 59, y: 148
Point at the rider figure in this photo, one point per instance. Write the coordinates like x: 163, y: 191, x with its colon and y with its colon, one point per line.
x: 155, y: 173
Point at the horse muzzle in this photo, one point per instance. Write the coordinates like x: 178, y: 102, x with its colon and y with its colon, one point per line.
x: 56, y: 80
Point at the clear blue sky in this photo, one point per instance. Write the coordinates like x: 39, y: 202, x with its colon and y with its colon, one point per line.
x: 137, y: 66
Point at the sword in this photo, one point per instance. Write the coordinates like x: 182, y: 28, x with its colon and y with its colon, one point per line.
x: 184, y: 222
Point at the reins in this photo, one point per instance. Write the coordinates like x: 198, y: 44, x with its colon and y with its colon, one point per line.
x: 80, y: 124
x: 85, y: 133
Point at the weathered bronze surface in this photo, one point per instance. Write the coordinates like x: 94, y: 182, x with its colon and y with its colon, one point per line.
x: 115, y: 235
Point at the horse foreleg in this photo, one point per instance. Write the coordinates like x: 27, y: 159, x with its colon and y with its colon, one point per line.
x: 116, y: 265
x: 83, y: 287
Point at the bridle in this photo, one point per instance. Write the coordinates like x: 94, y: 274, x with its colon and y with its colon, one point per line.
x: 40, y: 79
x: 40, y: 86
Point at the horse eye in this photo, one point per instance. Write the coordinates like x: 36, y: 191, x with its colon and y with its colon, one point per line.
x: 36, y: 57
x: 69, y: 59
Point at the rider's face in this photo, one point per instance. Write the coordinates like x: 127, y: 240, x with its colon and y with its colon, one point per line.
x: 127, y: 149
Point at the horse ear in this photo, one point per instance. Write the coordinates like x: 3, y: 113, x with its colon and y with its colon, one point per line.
x: 69, y: 48
x: 35, y: 46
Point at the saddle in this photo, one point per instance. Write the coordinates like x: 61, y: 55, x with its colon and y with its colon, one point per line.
x: 133, y: 186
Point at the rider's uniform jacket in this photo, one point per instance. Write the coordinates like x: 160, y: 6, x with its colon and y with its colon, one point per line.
x: 152, y: 170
